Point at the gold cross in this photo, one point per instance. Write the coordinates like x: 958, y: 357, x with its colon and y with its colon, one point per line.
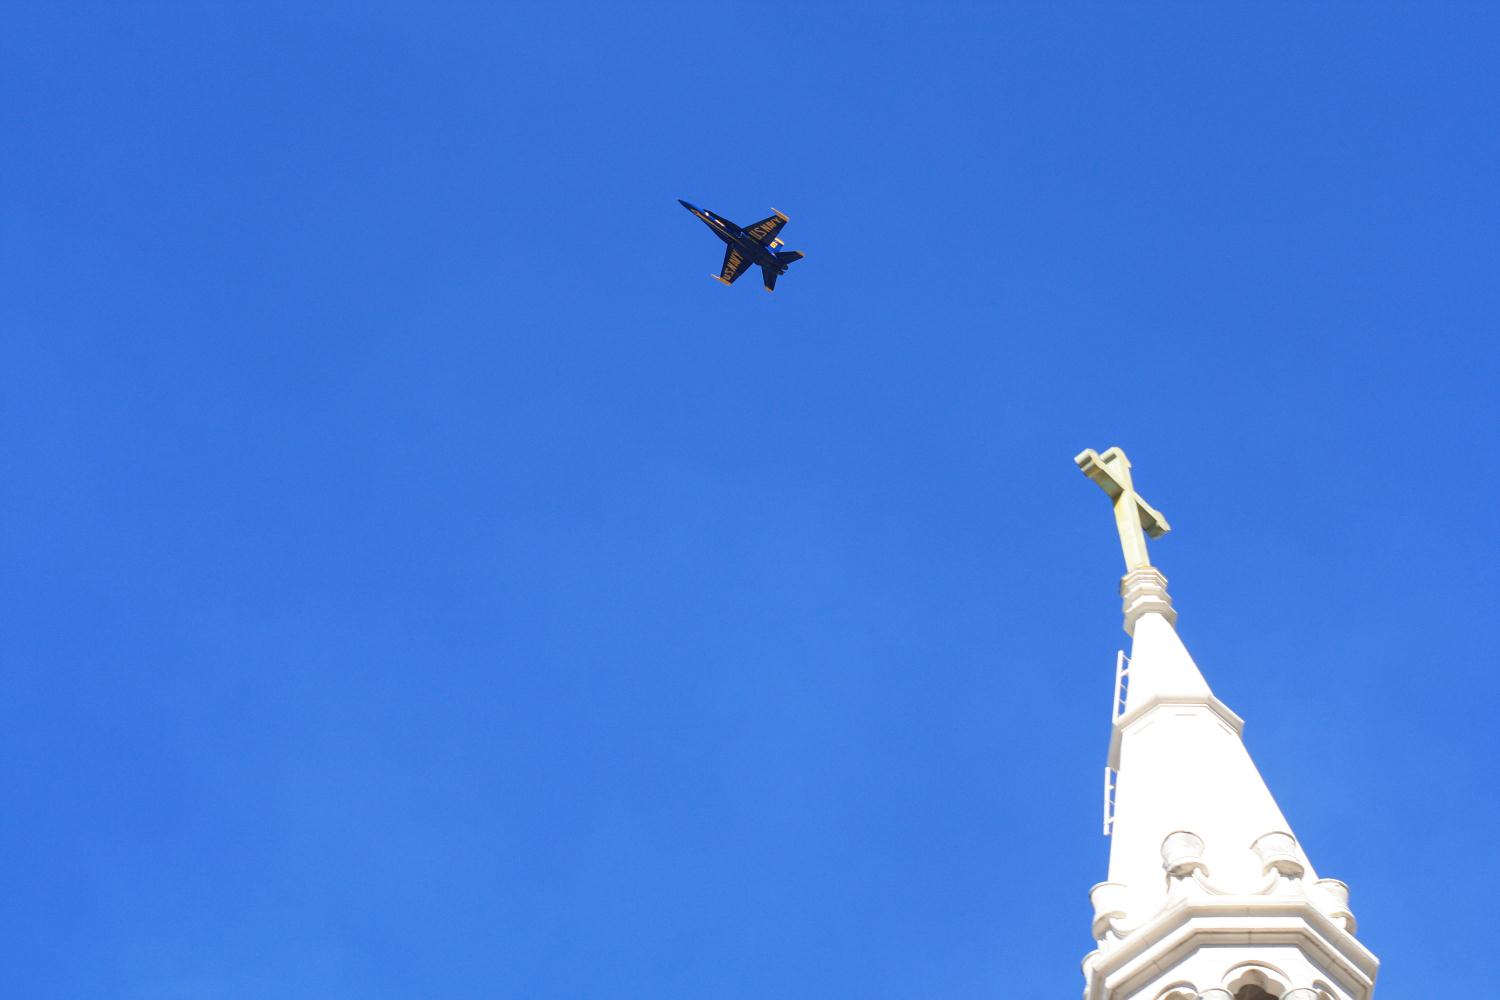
x: 1133, y: 516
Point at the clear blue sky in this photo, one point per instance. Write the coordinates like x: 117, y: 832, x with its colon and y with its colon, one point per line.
x: 420, y: 580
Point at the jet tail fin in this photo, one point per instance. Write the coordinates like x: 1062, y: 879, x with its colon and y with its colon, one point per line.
x: 783, y: 258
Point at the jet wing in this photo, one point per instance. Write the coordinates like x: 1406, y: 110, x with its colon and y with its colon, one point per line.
x: 765, y: 230
x: 735, y: 264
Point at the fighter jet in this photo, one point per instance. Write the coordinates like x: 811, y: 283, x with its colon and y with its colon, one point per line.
x: 753, y: 245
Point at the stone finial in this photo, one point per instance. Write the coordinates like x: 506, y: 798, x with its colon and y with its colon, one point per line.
x: 1335, y: 902
x: 1109, y: 907
x: 1277, y: 851
x: 1182, y: 854
x: 1186, y: 991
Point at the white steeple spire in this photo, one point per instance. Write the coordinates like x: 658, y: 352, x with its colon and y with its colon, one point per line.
x: 1209, y: 894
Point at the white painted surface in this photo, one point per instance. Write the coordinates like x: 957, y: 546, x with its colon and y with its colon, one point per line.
x: 1208, y: 890
x: 1182, y: 766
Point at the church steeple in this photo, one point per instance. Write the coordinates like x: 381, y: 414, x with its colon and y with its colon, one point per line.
x: 1210, y: 896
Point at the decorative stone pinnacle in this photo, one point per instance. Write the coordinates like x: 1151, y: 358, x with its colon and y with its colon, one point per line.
x: 1182, y: 854
x: 1144, y: 592
x: 1277, y: 851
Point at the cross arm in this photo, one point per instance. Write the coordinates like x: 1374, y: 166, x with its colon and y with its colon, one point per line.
x: 1093, y: 466
x: 1096, y: 467
x: 1151, y: 520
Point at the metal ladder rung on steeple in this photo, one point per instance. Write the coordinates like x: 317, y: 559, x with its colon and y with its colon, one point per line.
x: 1122, y: 683
x: 1122, y: 691
x: 1109, y: 800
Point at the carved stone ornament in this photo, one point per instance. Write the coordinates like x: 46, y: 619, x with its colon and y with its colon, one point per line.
x: 1179, y: 991
x: 1277, y: 851
x: 1332, y: 898
x: 1182, y: 854
x: 1109, y: 909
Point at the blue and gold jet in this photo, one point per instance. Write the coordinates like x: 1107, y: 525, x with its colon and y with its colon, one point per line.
x: 752, y: 245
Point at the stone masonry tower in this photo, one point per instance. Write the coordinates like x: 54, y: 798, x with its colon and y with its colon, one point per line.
x: 1210, y: 897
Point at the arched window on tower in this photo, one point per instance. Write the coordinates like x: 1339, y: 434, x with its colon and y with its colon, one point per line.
x: 1256, y: 981
x: 1253, y: 992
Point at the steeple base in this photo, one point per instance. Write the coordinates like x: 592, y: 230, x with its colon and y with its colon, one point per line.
x: 1215, y: 949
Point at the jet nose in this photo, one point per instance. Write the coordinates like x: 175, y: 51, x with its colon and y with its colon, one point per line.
x: 687, y: 206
